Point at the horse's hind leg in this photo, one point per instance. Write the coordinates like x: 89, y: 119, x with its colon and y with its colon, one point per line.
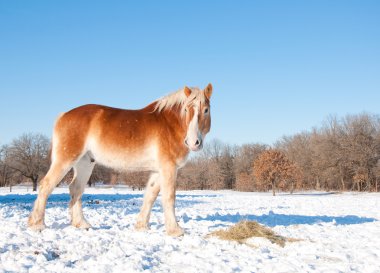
x: 82, y: 172
x: 57, y: 171
x: 151, y: 192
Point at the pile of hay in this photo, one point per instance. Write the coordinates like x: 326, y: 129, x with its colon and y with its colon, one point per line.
x: 248, y: 229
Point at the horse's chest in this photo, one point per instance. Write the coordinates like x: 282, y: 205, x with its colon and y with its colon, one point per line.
x: 181, y: 162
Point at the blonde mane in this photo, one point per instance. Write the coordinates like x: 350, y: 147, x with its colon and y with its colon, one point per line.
x: 179, y: 98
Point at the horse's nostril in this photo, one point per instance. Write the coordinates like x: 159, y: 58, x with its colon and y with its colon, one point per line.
x: 187, y: 144
x: 197, y: 143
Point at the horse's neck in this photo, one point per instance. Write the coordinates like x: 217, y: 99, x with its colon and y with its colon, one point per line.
x: 175, y: 120
x: 171, y: 116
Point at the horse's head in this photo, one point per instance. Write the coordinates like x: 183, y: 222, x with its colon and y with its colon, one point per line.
x: 197, y: 116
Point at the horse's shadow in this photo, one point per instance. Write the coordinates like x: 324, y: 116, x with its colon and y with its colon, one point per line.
x: 62, y: 199
x: 275, y: 219
x: 129, y: 201
x: 65, y: 197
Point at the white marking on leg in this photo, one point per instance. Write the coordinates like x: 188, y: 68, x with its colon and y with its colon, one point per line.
x: 151, y: 192
x: 82, y: 172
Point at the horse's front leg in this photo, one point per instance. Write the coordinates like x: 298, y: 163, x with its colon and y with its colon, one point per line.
x: 151, y: 192
x: 168, y: 187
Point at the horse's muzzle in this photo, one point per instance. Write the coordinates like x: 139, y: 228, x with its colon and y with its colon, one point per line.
x: 198, y: 145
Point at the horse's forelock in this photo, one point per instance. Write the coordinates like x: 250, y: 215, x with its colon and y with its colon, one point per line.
x: 180, y: 99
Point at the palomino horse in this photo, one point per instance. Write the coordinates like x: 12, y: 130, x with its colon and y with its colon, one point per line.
x: 157, y: 138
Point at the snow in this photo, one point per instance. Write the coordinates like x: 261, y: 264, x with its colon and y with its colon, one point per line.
x: 337, y: 232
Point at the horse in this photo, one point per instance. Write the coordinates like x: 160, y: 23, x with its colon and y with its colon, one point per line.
x: 157, y: 138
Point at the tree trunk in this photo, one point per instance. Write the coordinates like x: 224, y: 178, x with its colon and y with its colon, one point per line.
x: 34, y: 180
x: 292, y: 187
x: 369, y: 180
x: 342, y: 178
x: 376, y: 184
x: 368, y: 184
x: 273, y: 188
x: 318, y: 185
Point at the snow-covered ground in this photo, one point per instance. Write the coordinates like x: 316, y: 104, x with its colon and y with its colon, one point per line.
x: 338, y: 232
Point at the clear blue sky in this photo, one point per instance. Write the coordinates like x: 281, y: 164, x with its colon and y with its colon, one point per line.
x: 278, y: 67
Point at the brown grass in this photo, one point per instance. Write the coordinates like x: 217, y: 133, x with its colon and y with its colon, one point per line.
x: 248, y: 229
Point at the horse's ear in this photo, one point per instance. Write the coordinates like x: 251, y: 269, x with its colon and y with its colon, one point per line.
x: 208, y: 91
x: 187, y: 91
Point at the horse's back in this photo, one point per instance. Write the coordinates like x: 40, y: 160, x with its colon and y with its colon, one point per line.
x: 80, y: 120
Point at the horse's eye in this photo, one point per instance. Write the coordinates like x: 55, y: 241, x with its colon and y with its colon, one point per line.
x: 206, y: 110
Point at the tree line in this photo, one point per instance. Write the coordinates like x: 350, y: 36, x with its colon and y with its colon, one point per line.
x: 342, y: 154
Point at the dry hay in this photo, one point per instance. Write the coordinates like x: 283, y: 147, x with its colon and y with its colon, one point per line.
x: 248, y: 229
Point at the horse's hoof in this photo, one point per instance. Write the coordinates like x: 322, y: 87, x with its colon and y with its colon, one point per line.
x: 82, y: 225
x: 176, y: 232
x: 141, y: 227
x: 37, y: 227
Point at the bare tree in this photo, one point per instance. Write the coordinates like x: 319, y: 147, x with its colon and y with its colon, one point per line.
x: 215, y: 175
x: 332, y: 154
x: 245, y: 155
x: 243, y: 165
x: 186, y: 177
x: 362, y: 147
x: 298, y: 149
x: 212, y: 149
x: 213, y: 168
x: 200, y: 171
x: 102, y: 174
x: 6, y: 172
x: 136, y: 180
x: 28, y: 155
x: 376, y: 173
x: 226, y: 166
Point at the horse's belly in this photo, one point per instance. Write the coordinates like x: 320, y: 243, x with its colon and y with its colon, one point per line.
x: 144, y: 159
